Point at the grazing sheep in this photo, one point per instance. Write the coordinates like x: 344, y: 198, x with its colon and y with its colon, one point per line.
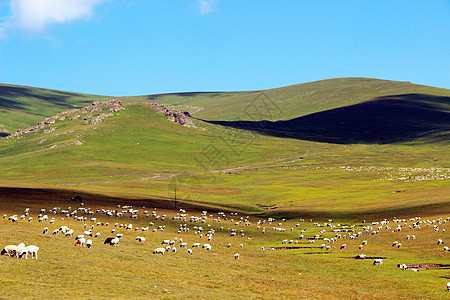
x: 360, y: 256
x: 448, y: 286
x: 89, y: 243
x: 174, y: 250
x: 196, y: 245
x: 183, y: 245
x: 440, y: 242
x: 140, y: 239
x: 236, y: 256
x: 189, y: 251
x: 108, y: 240
x: 97, y: 234
x: 446, y: 249
x: 81, y: 242
x: 159, y: 251
x: 168, y: 249
x: 45, y: 230
x: 69, y: 233
x: 29, y: 250
x: 378, y: 261
x: 165, y: 242
x: 115, y: 242
x: 12, y: 250
x: 343, y: 246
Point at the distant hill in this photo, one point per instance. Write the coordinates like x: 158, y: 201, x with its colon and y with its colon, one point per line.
x: 288, y: 102
x: 22, y: 106
x: 389, y: 119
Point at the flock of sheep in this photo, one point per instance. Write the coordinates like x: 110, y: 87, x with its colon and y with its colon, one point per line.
x: 84, y: 214
x: 200, y: 227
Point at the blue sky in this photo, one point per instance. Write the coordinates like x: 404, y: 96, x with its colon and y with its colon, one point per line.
x: 136, y: 47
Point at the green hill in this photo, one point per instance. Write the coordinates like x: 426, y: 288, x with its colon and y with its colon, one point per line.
x: 23, y: 106
x: 134, y: 152
x: 287, y: 102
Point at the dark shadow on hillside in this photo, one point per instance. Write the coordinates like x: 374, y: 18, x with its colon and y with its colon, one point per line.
x: 389, y: 119
x: 57, y: 98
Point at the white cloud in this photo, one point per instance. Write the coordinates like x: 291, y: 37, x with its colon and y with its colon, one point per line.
x: 207, y: 6
x: 35, y: 15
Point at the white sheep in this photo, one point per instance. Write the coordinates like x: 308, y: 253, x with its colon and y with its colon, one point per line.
x: 12, y: 250
x: 114, y: 242
x: 446, y: 249
x: 168, y: 249
x: 159, y: 251
x: 174, y: 250
x: 236, y: 256
x: 89, y: 243
x: 69, y: 232
x: 81, y: 242
x: 378, y: 261
x: 29, y: 250
x: 140, y: 239
x: 189, y: 251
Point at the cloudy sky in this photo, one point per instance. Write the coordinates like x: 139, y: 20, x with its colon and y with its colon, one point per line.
x: 135, y: 47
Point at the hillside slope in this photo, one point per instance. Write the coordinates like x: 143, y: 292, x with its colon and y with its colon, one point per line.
x: 136, y: 153
x: 21, y: 106
x: 287, y: 102
x: 384, y: 120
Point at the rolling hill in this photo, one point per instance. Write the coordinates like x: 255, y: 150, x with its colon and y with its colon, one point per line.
x: 340, y: 147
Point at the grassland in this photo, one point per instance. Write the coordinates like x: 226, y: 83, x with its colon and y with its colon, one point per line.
x: 139, y: 154
x: 138, y: 157
x: 131, y: 270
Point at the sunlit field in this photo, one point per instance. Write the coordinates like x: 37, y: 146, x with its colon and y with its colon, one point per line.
x: 63, y: 270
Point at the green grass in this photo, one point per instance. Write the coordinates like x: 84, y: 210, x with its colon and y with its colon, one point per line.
x: 287, y: 102
x: 137, y: 153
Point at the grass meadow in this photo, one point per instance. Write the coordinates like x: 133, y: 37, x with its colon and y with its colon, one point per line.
x: 131, y: 270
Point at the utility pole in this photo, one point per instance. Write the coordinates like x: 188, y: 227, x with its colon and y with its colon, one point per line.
x: 175, y: 197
